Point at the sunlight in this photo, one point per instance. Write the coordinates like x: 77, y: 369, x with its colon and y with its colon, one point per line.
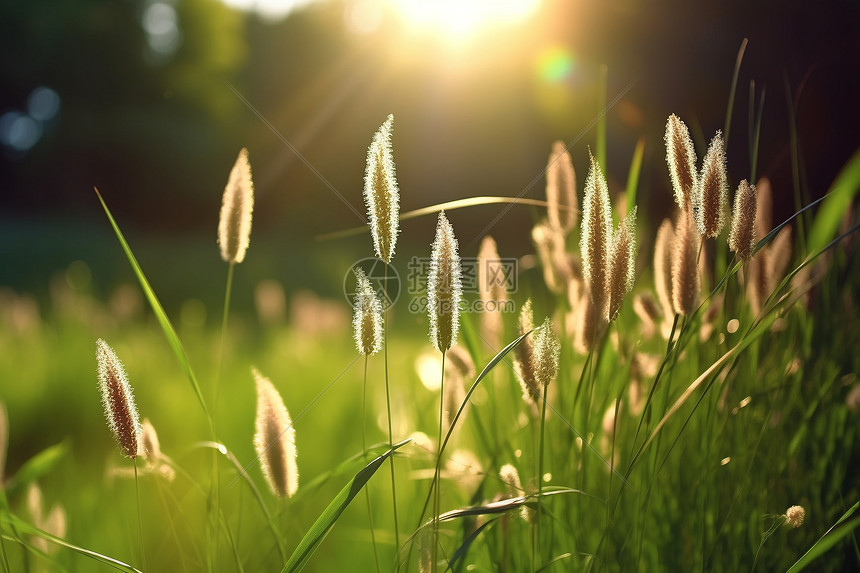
x: 460, y: 19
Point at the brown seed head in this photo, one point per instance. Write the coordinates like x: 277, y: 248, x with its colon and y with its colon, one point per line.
x: 275, y: 439
x: 712, y: 198
x: 524, y: 357
x: 117, y: 399
x: 764, y: 208
x: 685, y: 272
x: 444, y: 290
x: 562, y: 205
x: 664, y: 248
x: 622, y: 264
x: 596, y: 241
x: 681, y: 158
x: 381, y: 194
x: 367, y: 316
x: 587, y: 324
x: 742, y: 235
x: 237, y: 204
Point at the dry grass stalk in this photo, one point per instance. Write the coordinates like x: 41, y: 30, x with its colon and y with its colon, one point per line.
x: 381, y: 194
x: 742, y: 234
x: 685, y: 271
x: 492, y: 287
x: 118, y: 400
x: 275, y: 439
x: 681, y: 157
x: 444, y: 289
x: 622, y: 264
x: 367, y: 316
x: 712, y: 197
x: 561, y: 199
x: 596, y: 241
x: 237, y: 204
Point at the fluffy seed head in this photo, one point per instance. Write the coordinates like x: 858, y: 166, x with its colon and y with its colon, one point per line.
x: 523, y: 359
x: 118, y: 400
x: 742, y: 234
x: 648, y: 311
x: 596, y: 241
x: 547, y: 350
x: 685, y: 272
x: 664, y: 248
x: 444, y: 290
x: 149, y: 447
x: 367, y: 316
x: 234, y: 227
x: 586, y: 325
x: 712, y: 197
x: 381, y: 194
x: 622, y: 264
x: 511, y: 477
x: 681, y: 158
x: 764, y: 208
x: 561, y: 189
x: 795, y: 515
x: 549, y: 244
x: 275, y: 439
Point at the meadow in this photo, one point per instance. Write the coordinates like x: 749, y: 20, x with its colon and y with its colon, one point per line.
x: 692, y: 406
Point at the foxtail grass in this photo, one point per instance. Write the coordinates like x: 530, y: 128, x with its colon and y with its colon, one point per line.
x: 275, y: 439
x: 596, y: 241
x: 742, y: 235
x: 562, y: 205
x: 681, y: 157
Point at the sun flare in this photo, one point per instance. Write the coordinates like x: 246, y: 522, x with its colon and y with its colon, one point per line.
x: 461, y: 19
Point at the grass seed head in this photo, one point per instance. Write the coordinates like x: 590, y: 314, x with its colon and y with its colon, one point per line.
x: 444, y: 289
x: 596, y: 241
x: 648, y: 311
x: 237, y: 204
x: 764, y: 208
x: 622, y: 264
x: 492, y: 288
x: 561, y: 199
x: 545, y: 355
x: 795, y: 515
x: 685, y: 271
x: 664, y: 248
x: 275, y: 439
x: 381, y: 194
x: 523, y: 358
x: 681, y: 157
x: 712, y: 197
x: 149, y: 447
x: 742, y: 234
x: 550, y: 247
x: 367, y: 316
x: 118, y: 400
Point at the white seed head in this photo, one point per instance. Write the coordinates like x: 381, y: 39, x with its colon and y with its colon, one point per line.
x: 596, y: 241
x: 237, y: 204
x: 381, y: 194
x: 524, y: 355
x: 118, y: 400
x: 664, y: 248
x: 742, y: 235
x: 685, y: 272
x: 275, y: 439
x: 622, y: 264
x: 367, y: 316
x: 795, y: 515
x: 545, y: 356
x: 681, y: 157
x: 444, y: 289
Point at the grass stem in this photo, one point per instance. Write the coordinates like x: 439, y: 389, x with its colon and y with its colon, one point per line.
x: 364, y: 449
x: 139, y: 515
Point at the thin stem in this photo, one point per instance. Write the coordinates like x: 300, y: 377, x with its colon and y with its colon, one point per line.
x: 540, y: 468
x: 6, y: 567
x: 390, y: 433
x: 139, y: 514
x: 364, y: 448
x: 437, y: 472
x: 225, y: 314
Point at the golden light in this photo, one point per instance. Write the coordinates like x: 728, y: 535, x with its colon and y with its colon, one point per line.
x: 458, y: 20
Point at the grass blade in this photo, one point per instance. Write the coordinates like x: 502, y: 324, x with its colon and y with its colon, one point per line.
x: 633, y: 175
x: 318, y: 531
x: 838, y: 198
x: 828, y: 540
x: 37, y: 466
x: 464, y: 548
x: 24, y: 527
x: 166, y: 326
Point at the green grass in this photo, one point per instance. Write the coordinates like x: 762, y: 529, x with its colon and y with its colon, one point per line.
x: 737, y: 427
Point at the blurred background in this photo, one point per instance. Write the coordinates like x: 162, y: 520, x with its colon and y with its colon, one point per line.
x: 150, y: 101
